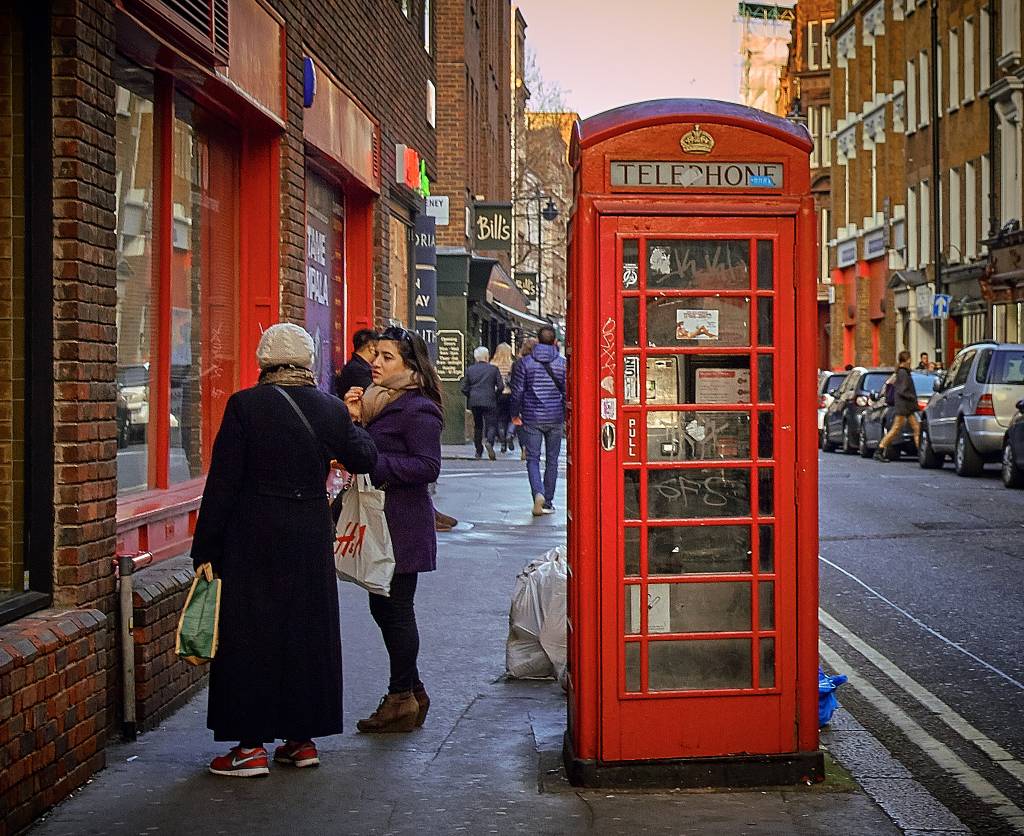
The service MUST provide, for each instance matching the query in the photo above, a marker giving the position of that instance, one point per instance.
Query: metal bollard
(124, 567)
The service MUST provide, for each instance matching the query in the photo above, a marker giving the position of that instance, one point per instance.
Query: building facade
(179, 183)
(886, 177)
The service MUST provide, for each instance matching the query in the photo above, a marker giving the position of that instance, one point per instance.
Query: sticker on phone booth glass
(696, 324)
(631, 379)
(608, 410)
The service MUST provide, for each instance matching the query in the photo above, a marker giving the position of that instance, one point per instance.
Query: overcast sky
(605, 53)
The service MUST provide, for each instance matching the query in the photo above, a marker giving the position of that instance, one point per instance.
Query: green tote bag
(196, 641)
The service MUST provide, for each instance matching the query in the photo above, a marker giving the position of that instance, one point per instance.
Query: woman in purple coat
(402, 413)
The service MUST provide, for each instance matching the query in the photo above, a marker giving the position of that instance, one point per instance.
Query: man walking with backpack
(905, 396)
(538, 405)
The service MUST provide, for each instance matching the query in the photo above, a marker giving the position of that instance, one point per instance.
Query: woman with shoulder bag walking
(525, 350)
(503, 360)
(265, 527)
(402, 412)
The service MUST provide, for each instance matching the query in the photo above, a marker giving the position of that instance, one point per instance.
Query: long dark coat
(265, 525)
(407, 433)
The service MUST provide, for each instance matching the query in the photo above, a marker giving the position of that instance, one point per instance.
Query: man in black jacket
(906, 406)
(356, 372)
(481, 386)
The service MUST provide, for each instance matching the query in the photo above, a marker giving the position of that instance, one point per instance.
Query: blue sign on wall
(940, 305)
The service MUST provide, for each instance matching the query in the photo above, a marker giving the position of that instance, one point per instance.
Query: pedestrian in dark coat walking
(356, 372)
(481, 386)
(402, 411)
(265, 526)
(905, 407)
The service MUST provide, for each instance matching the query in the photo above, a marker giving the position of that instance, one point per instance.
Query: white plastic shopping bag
(536, 636)
(362, 543)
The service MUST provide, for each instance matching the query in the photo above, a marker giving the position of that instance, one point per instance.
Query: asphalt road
(922, 599)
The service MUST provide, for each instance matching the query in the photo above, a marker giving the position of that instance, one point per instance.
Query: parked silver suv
(973, 404)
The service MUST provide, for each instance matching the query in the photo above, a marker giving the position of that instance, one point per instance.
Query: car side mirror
(1020, 405)
(940, 378)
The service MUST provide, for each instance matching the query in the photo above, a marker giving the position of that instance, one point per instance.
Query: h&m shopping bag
(196, 640)
(362, 543)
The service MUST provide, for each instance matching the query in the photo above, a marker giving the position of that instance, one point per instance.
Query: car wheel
(827, 445)
(847, 445)
(926, 455)
(862, 445)
(965, 458)
(1013, 476)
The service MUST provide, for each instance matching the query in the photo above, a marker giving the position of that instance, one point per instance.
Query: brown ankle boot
(423, 702)
(396, 713)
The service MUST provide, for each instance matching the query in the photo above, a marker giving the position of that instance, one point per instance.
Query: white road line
(915, 689)
(925, 627)
(946, 759)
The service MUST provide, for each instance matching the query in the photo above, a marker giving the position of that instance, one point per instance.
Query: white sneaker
(538, 504)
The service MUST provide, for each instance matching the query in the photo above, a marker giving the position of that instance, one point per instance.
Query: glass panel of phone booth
(699, 593)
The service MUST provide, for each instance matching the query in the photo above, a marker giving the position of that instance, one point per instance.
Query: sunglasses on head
(396, 333)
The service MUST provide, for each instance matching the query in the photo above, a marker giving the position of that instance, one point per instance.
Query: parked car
(828, 385)
(843, 416)
(973, 405)
(878, 418)
(1013, 450)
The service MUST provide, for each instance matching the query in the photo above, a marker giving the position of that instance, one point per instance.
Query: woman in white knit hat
(265, 527)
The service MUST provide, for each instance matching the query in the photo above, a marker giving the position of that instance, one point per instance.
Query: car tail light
(984, 406)
(861, 400)
(921, 405)
(821, 402)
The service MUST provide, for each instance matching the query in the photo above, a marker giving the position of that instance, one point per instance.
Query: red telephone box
(693, 537)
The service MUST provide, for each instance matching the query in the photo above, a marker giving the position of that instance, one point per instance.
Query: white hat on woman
(285, 344)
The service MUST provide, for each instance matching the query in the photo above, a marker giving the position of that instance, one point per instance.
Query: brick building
(478, 302)
(882, 230)
(1003, 283)
(810, 101)
(169, 190)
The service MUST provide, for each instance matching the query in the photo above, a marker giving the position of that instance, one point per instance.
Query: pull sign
(608, 436)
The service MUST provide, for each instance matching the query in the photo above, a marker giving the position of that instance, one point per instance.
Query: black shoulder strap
(558, 384)
(301, 414)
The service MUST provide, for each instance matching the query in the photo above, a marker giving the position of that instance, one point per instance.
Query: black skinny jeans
(397, 621)
(484, 427)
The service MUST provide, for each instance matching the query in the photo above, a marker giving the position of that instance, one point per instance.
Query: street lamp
(548, 213)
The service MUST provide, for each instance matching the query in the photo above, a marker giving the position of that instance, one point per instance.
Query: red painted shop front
(693, 492)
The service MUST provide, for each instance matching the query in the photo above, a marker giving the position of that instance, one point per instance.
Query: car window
(874, 381)
(924, 384)
(984, 361)
(833, 383)
(849, 384)
(1007, 367)
(960, 378)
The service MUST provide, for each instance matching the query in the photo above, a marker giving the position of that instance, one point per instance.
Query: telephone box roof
(630, 117)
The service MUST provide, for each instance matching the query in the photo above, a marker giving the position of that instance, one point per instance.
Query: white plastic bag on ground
(536, 622)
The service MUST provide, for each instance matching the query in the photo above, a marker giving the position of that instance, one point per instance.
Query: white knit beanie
(285, 344)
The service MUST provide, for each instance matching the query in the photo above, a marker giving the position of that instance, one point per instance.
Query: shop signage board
(425, 239)
(323, 286)
(437, 208)
(874, 244)
(492, 227)
(451, 355)
(526, 281)
(846, 253)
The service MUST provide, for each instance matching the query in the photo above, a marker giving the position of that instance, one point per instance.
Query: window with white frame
(813, 44)
(922, 88)
(954, 70)
(913, 231)
(427, 20)
(985, 51)
(814, 129)
(826, 135)
(970, 75)
(925, 215)
(1010, 30)
(911, 97)
(826, 44)
(970, 211)
(986, 192)
(955, 237)
(939, 65)
(823, 248)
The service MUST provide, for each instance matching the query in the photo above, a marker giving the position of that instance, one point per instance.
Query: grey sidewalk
(485, 762)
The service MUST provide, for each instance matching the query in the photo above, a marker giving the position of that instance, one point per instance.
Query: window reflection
(696, 436)
(698, 493)
(682, 550)
(699, 664)
(716, 321)
(698, 265)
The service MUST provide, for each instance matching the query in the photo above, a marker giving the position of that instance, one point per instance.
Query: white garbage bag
(536, 636)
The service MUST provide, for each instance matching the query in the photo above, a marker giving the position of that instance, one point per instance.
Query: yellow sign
(697, 141)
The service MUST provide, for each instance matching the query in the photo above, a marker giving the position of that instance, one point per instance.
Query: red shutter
(198, 27)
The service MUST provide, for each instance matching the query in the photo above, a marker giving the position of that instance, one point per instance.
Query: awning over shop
(525, 319)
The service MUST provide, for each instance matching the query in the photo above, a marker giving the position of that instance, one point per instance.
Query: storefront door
(698, 570)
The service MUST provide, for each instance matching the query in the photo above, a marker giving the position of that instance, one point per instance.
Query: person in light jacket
(481, 386)
(538, 404)
(265, 527)
(403, 413)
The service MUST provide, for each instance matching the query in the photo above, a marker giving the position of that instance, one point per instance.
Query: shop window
(177, 337)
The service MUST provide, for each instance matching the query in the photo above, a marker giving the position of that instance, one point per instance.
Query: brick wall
(53, 725)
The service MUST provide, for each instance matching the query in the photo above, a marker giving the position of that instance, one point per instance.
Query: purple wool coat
(407, 434)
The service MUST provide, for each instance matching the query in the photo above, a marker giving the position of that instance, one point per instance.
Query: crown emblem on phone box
(697, 141)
